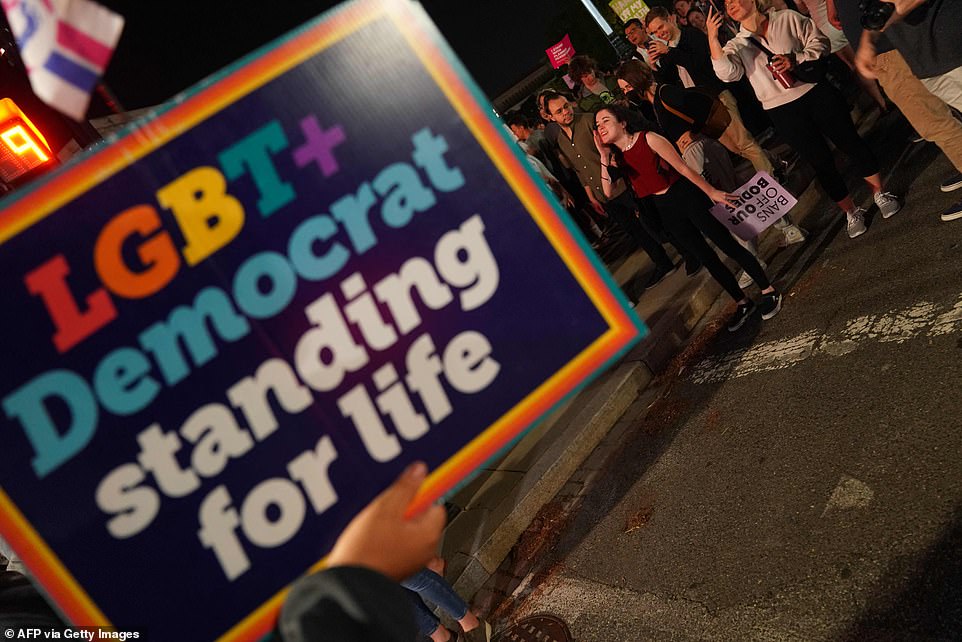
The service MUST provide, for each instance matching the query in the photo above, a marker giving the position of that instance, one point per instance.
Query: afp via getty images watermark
(89, 633)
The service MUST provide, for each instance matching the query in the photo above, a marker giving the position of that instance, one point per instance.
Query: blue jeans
(428, 585)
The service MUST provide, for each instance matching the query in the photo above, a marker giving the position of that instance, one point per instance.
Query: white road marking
(922, 319)
(850, 493)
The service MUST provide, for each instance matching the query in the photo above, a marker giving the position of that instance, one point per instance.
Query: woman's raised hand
(600, 146)
(713, 22)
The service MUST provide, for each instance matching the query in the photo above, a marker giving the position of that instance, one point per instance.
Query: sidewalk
(501, 503)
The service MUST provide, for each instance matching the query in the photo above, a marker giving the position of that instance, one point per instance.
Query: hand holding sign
(757, 204)
(384, 539)
(723, 198)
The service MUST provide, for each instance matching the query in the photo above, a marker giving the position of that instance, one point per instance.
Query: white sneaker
(745, 279)
(792, 234)
(856, 222)
(887, 204)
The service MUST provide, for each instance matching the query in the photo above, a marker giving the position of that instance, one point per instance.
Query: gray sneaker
(745, 279)
(887, 204)
(792, 234)
(856, 222)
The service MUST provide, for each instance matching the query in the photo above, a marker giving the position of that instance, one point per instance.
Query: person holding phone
(804, 113)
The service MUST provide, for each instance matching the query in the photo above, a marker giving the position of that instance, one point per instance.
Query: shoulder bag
(811, 71)
(715, 124)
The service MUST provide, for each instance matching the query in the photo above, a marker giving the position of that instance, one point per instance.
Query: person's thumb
(400, 494)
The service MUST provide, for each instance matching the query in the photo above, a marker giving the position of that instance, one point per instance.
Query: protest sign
(628, 9)
(232, 326)
(560, 53)
(761, 202)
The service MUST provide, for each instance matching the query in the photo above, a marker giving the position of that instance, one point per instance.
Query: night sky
(166, 47)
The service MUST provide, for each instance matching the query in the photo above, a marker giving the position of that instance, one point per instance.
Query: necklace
(631, 143)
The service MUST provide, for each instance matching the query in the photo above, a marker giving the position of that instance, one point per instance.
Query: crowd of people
(705, 84)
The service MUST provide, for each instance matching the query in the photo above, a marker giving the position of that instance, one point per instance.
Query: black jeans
(805, 122)
(622, 209)
(684, 212)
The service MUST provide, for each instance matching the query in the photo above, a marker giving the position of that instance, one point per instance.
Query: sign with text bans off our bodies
(229, 329)
(761, 202)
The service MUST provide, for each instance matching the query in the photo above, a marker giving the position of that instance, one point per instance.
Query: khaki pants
(738, 139)
(927, 112)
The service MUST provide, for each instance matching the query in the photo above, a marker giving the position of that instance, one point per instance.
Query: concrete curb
(571, 443)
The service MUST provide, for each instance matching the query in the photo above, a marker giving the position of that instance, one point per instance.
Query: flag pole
(111, 100)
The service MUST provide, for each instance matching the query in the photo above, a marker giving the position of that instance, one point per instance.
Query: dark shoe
(692, 268)
(952, 183)
(658, 276)
(770, 304)
(742, 312)
(766, 136)
(952, 212)
(781, 168)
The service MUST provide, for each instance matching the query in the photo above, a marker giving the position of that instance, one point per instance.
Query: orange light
(20, 143)
(10, 111)
(22, 146)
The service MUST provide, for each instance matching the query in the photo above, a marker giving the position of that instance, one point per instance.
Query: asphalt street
(800, 479)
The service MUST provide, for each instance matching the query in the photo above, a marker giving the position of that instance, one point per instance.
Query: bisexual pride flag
(65, 46)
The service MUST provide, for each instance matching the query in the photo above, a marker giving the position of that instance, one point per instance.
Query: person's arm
(832, 13)
(606, 181)
(604, 151)
(563, 195)
(657, 50)
(664, 68)
(865, 56)
(815, 44)
(725, 60)
(593, 200)
(357, 596)
(663, 148)
(902, 9)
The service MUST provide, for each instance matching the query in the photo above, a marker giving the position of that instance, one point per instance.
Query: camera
(875, 13)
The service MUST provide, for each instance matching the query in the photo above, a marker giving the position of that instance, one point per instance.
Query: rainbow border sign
(238, 322)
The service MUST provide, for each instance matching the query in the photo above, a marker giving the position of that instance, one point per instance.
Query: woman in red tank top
(655, 169)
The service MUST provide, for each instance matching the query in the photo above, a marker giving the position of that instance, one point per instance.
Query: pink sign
(560, 53)
(761, 202)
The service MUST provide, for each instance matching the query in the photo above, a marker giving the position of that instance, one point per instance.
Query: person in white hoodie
(767, 48)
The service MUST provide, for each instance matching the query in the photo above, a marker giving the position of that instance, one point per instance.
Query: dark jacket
(693, 54)
(347, 604)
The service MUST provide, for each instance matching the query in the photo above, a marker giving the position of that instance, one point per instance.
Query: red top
(649, 174)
